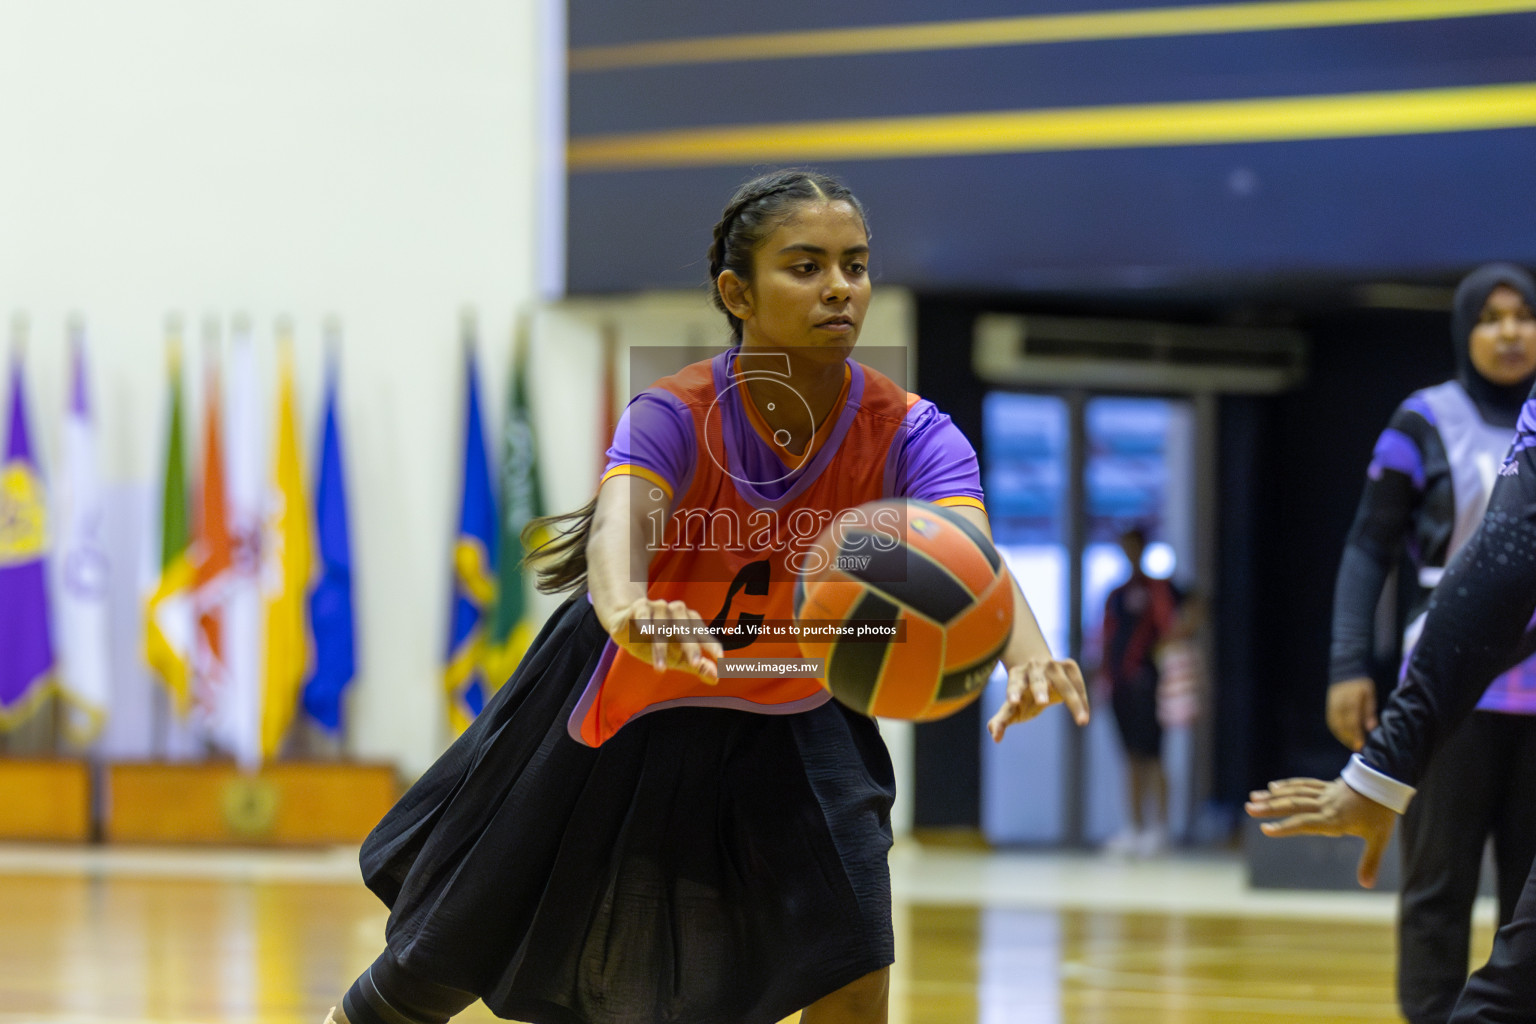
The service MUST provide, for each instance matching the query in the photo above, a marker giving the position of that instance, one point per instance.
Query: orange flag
(213, 564)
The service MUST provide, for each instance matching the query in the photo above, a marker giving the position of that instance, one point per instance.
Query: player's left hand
(1315, 807)
(1034, 686)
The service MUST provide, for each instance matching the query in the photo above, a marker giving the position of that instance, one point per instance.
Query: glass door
(1026, 475)
(1066, 476)
(1138, 472)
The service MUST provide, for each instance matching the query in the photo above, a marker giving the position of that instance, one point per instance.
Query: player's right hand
(1352, 710)
(689, 655)
(1035, 686)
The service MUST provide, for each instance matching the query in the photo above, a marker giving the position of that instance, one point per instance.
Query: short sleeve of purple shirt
(935, 460)
(1398, 448)
(656, 434)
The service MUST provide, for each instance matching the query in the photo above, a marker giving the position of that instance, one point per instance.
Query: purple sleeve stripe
(1527, 422)
(1525, 431)
(1396, 451)
(1414, 403)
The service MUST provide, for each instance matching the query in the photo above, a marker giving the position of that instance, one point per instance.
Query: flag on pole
(512, 626)
(474, 554)
(168, 616)
(26, 647)
(237, 724)
(287, 564)
(330, 605)
(81, 566)
(213, 562)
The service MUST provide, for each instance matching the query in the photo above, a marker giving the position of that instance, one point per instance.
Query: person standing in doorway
(1140, 616)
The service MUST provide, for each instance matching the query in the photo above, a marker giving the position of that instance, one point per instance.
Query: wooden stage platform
(286, 803)
(135, 935)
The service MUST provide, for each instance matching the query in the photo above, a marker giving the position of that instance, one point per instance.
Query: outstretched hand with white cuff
(1315, 807)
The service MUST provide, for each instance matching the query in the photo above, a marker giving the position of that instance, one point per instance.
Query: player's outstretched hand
(1315, 807)
(1036, 685)
(1352, 711)
(697, 656)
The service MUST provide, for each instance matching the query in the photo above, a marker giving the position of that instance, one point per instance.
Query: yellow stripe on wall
(1045, 28)
(1271, 119)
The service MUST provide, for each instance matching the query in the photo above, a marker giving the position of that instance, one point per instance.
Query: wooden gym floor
(126, 936)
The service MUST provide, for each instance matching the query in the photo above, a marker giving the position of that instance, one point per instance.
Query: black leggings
(1503, 991)
(1482, 783)
(387, 993)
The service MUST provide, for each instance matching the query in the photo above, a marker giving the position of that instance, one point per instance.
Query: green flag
(511, 628)
(168, 615)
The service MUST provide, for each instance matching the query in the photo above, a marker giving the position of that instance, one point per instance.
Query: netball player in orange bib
(624, 836)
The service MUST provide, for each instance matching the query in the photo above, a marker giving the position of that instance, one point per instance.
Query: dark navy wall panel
(1171, 216)
(1127, 218)
(1411, 55)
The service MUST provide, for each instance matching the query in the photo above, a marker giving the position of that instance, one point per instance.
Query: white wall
(382, 162)
(372, 160)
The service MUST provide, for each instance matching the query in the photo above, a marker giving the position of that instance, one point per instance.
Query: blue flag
(330, 603)
(474, 568)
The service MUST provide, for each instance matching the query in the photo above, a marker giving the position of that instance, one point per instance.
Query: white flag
(237, 728)
(80, 566)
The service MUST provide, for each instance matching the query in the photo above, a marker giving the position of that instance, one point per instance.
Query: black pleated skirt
(705, 865)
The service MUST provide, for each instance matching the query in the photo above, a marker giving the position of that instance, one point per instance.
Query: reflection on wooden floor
(992, 966)
(89, 946)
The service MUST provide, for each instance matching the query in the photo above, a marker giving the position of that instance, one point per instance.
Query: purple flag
(26, 650)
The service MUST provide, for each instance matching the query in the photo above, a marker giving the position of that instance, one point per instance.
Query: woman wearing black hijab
(1428, 485)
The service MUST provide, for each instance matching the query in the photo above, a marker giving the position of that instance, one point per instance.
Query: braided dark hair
(557, 544)
(757, 208)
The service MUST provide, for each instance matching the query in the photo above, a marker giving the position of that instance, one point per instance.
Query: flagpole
(21, 326)
(211, 336)
(175, 327)
(330, 340)
(469, 331)
(47, 731)
(44, 726)
(82, 568)
(74, 334)
(293, 743)
(246, 487)
(15, 740)
(74, 330)
(40, 731)
(160, 720)
(289, 529)
(330, 333)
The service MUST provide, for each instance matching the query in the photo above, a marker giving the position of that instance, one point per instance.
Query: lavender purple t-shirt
(656, 434)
